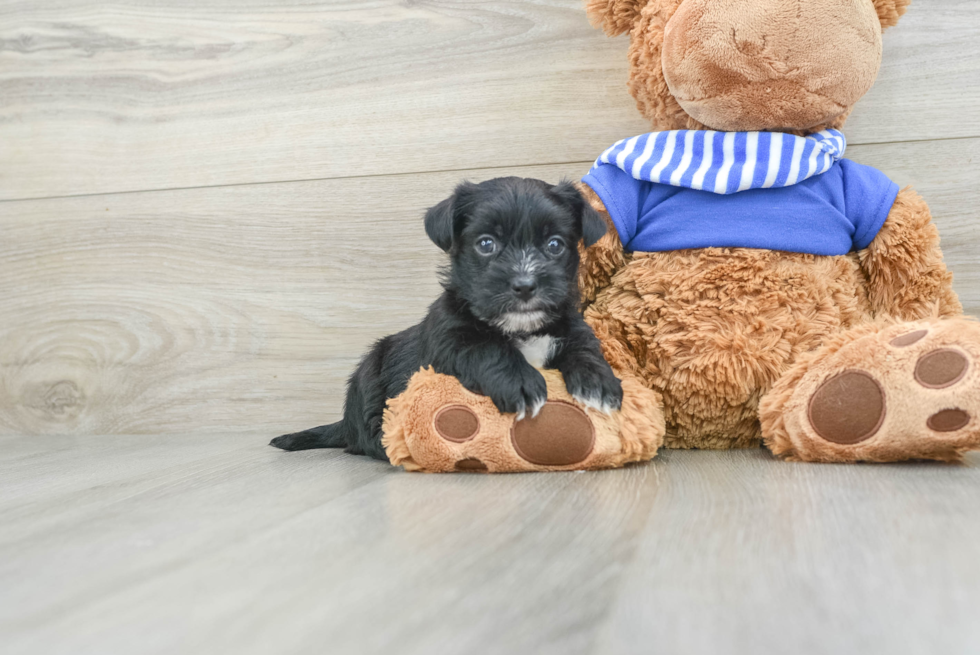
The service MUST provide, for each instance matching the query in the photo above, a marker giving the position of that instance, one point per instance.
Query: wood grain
(246, 308)
(98, 98)
(741, 554)
(184, 544)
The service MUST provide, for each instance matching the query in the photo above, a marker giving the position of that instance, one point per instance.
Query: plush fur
(510, 304)
(906, 276)
(739, 341)
(713, 329)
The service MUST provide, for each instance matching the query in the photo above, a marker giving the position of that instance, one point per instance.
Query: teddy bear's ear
(444, 221)
(593, 226)
(615, 17)
(889, 11)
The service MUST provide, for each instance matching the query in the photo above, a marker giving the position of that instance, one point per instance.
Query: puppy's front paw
(595, 387)
(524, 395)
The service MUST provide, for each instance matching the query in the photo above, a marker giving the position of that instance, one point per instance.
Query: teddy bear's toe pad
(457, 423)
(471, 464)
(948, 420)
(941, 368)
(560, 435)
(848, 408)
(905, 340)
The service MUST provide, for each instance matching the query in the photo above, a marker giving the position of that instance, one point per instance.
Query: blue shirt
(828, 214)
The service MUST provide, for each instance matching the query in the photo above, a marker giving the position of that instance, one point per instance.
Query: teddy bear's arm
(907, 277)
(603, 258)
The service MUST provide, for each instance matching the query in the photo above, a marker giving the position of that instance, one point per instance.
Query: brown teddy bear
(757, 284)
(826, 353)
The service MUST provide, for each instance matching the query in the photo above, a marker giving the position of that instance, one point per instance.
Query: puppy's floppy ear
(593, 227)
(445, 220)
(439, 223)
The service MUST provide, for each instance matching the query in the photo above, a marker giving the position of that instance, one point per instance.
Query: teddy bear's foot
(561, 435)
(883, 394)
(436, 425)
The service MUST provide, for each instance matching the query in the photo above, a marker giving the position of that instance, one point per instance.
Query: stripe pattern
(725, 162)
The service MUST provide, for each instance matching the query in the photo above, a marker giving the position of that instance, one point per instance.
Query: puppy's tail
(325, 436)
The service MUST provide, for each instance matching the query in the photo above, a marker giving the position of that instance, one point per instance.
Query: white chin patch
(593, 402)
(520, 321)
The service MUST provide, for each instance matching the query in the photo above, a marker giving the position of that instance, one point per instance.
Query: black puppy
(511, 303)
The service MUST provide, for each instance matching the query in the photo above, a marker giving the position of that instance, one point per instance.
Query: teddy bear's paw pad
(848, 408)
(457, 423)
(948, 420)
(471, 465)
(560, 435)
(905, 340)
(941, 368)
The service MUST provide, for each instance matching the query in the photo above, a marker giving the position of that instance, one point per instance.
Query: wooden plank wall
(209, 209)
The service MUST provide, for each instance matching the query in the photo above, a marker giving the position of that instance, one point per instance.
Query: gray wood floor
(219, 544)
(208, 208)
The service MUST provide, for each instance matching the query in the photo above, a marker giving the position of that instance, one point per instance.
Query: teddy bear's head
(742, 65)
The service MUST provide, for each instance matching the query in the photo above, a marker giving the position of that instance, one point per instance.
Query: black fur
(492, 303)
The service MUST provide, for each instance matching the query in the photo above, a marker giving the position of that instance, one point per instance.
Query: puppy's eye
(555, 246)
(486, 245)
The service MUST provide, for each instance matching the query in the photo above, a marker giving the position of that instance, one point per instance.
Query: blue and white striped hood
(725, 162)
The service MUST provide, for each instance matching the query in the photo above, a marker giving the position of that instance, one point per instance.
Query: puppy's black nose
(524, 287)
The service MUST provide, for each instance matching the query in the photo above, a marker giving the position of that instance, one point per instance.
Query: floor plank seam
(400, 174)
